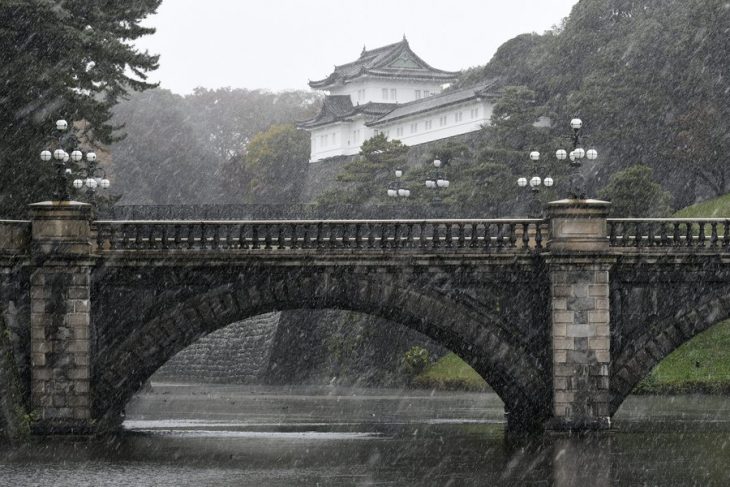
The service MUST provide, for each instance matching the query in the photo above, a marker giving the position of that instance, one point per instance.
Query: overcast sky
(281, 44)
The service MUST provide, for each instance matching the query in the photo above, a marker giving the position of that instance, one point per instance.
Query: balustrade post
(579, 266)
(61, 326)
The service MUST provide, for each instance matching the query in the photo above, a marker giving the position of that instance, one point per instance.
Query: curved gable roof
(391, 61)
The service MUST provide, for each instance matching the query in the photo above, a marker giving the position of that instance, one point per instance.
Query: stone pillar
(60, 317)
(579, 283)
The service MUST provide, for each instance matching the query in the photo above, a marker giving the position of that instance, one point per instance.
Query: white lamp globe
(535, 155)
(437, 163)
(91, 156)
(561, 154)
(406, 192)
(591, 154)
(535, 182)
(91, 183)
(392, 193)
(67, 171)
(58, 154)
(66, 157)
(105, 183)
(430, 184)
(442, 183)
(576, 124)
(522, 182)
(572, 155)
(46, 156)
(580, 153)
(76, 155)
(78, 183)
(61, 124)
(548, 181)
(446, 183)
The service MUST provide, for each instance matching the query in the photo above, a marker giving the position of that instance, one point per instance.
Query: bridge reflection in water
(562, 316)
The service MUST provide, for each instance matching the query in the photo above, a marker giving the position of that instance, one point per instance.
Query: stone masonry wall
(581, 341)
(236, 354)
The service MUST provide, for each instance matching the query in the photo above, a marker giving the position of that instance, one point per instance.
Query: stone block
(581, 304)
(580, 317)
(560, 356)
(564, 397)
(81, 359)
(81, 332)
(41, 346)
(579, 357)
(563, 344)
(562, 291)
(77, 292)
(78, 401)
(78, 319)
(598, 290)
(601, 303)
(78, 373)
(580, 290)
(581, 331)
(599, 343)
(38, 306)
(563, 316)
(42, 374)
(598, 317)
(601, 277)
(78, 346)
(603, 330)
(81, 386)
(560, 304)
(599, 370)
(81, 306)
(560, 329)
(560, 383)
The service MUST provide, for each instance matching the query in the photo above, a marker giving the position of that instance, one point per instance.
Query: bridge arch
(659, 338)
(479, 338)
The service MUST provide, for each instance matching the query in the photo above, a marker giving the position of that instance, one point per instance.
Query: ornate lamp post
(394, 188)
(438, 182)
(94, 176)
(535, 208)
(577, 190)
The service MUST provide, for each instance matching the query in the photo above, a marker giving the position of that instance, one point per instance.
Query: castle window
(443, 120)
(399, 131)
(385, 93)
(474, 112)
(428, 124)
(418, 94)
(414, 128)
(457, 117)
(393, 94)
(426, 93)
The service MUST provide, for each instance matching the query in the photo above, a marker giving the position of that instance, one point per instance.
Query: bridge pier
(60, 317)
(579, 266)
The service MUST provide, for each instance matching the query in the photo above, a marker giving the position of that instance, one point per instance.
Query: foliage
(450, 373)
(71, 60)
(365, 180)
(189, 149)
(415, 360)
(163, 160)
(649, 79)
(715, 208)
(633, 194)
(273, 168)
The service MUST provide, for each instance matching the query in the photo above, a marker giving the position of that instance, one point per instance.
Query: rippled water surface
(225, 435)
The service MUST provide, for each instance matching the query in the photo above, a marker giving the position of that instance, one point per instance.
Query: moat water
(204, 435)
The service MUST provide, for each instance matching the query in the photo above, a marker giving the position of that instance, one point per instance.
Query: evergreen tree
(634, 194)
(70, 60)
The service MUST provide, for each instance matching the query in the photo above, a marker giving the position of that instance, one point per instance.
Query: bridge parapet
(677, 233)
(482, 236)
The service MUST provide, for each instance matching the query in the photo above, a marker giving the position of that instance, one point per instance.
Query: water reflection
(372, 438)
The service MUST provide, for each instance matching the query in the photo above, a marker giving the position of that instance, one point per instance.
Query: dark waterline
(226, 435)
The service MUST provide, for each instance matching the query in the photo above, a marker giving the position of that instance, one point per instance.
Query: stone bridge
(562, 316)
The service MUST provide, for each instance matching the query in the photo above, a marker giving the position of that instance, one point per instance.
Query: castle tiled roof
(391, 61)
(339, 108)
(488, 90)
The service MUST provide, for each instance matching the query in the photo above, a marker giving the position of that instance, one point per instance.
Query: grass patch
(700, 365)
(715, 208)
(450, 373)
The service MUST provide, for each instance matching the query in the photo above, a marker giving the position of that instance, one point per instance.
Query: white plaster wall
(405, 90)
(437, 131)
(341, 139)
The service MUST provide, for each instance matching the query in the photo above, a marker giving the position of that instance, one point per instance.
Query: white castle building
(392, 90)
